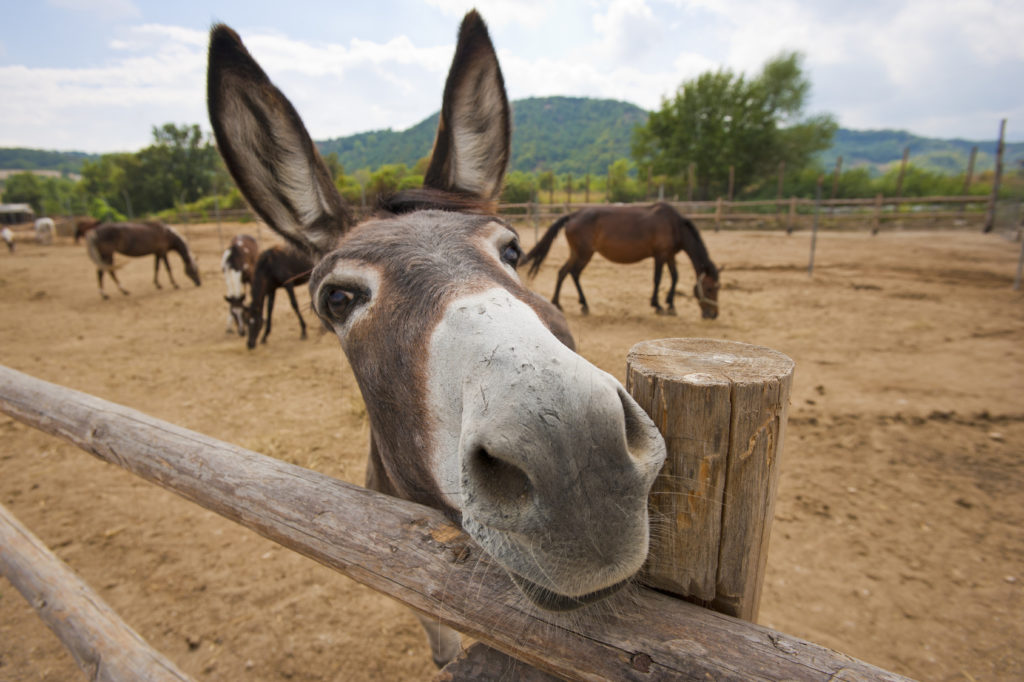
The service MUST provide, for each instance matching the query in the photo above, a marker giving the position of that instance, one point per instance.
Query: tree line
(720, 134)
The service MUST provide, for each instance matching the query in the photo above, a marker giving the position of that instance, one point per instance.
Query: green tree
(620, 186)
(181, 166)
(519, 188)
(721, 119)
(24, 188)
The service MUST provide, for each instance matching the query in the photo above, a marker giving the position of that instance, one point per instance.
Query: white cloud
(497, 13)
(108, 9)
(628, 29)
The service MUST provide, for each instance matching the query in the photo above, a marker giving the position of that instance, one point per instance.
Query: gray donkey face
(477, 404)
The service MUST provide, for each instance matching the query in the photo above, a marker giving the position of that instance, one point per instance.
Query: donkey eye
(512, 253)
(338, 303)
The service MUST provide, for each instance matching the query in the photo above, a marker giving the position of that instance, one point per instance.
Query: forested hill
(878, 148)
(581, 135)
(562, 134)
(37, 159)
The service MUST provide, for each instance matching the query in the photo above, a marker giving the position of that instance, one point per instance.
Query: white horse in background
(8, 236)
(45, 229)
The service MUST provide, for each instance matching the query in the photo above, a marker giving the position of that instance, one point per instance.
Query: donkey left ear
(268, 151)
(471, 150)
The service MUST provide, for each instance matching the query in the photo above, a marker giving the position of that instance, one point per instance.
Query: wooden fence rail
(412, 553)
(790, 213)
(102, 644)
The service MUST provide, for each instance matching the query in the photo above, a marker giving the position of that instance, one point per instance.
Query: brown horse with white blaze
(238, 264)
(629, 234)
(138, 239)
(477, 404)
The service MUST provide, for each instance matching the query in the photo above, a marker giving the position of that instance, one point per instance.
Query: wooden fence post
(878, 215)
(104, 646)
(718, 214)
(814, 225)
(792, 216)
(990, 215)
(721, 406)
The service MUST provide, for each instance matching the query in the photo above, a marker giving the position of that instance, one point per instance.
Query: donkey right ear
(268, 151)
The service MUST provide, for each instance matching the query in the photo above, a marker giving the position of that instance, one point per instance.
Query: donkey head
(477, 405)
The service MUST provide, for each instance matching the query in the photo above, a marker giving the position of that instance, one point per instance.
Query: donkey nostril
(503, 484)
(641, 434)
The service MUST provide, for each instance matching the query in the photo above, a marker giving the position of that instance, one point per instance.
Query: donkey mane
(424, 198)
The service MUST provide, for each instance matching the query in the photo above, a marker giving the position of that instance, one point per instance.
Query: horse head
(192, 269)
(706, 293)
(475, 406)
(238, 312)
(252, 318)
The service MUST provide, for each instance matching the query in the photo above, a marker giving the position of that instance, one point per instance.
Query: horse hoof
(659, 311)
(670, 311)
(584, 310)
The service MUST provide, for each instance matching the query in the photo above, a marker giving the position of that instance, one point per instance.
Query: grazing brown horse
(275, 268)
(84, 226)
(138, 239)
(477, 404)
(238, 264)
(627, 234)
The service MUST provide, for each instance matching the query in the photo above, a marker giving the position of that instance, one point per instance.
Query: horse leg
(575, 272)
(658, 265)
(156, 271)
(670, 298)
(99, 277)
(270, 314)
(562, 272)
(167, 266)
(295, 306)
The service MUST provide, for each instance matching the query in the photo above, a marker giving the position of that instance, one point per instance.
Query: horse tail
(540, 250)
(94, 251)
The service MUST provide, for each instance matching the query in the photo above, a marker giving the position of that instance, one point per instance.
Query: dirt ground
(899, 530)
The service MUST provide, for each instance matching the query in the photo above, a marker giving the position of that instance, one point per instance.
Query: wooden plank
(417, 556)
(104, 646)
(721, 406)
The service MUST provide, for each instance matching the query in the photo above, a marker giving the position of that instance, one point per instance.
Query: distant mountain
(562, 134)
(581, 135)
(38, 159)
(878, 149)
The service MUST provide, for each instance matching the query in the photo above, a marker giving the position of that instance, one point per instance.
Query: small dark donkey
(276, 267)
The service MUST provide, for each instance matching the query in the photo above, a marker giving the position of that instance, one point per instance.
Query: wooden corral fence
(793, 214)
(722, 408)
(877, 213)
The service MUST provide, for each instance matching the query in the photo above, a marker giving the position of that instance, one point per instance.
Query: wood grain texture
(102, 644)
(415, 555)
(721, 406)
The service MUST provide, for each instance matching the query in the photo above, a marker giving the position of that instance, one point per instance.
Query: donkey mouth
(553, 601)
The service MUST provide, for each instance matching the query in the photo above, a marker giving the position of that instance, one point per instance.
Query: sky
(98, 75)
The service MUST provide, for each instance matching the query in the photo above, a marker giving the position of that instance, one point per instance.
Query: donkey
(276, 267)
(478, 405)
(238, 264)
(138, 239)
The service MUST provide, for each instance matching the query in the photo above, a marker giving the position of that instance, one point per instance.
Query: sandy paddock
(899, 530)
